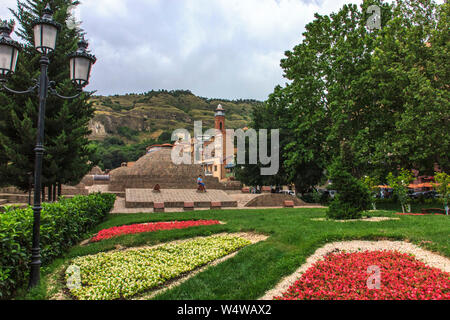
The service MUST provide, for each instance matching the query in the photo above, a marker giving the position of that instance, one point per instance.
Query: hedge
(416, 204)
(63, 224)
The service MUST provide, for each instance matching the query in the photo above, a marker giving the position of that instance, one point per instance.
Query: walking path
(144, 198)
(119, 207)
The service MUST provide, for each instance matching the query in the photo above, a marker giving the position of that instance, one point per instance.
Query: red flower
(343, 276)
(150, 227)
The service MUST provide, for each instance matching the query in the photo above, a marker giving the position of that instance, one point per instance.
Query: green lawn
(258, 268)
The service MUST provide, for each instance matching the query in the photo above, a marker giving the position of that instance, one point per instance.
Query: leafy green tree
(112, 152)
(352, 196)
(409, 81)
(330, 99)
(399, 184)
(443, 187)
(66, 122)
(371, 184)
(273, 114)
(382, 93)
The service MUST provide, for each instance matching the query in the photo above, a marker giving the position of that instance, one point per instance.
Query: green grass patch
(293, 236)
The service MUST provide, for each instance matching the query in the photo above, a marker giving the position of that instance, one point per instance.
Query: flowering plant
(150, 227)
(123, 274)
(344, 276)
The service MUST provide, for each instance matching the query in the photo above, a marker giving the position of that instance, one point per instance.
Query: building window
(215, 168)
(221, 126)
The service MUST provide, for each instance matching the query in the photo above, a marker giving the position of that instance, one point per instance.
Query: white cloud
(220, 48)
(216, 48)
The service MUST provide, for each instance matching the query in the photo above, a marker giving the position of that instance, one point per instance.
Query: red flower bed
(344, 276)
(150, 227)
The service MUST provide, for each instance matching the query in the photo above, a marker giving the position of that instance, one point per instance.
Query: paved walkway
(98, 188)
(243, 198)
(175, 195)
(144, 198)
(119, 207)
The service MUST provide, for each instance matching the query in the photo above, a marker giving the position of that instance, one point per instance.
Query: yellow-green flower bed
(123, 274)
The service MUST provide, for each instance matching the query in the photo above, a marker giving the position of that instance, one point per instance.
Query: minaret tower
(220, 119)
(219, 124)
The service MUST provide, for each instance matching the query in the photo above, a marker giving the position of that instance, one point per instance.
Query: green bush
(128, 133)
(353, 197)
(400, 183)
(316, 197)
(392, 204)
(63, 224)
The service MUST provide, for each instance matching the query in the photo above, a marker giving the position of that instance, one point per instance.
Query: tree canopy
(66, 131)
(380, 94)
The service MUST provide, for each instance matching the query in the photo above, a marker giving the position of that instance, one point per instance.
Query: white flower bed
(122, 274)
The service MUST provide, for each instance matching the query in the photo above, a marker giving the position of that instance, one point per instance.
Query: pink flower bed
(150, 227)
(344, 276)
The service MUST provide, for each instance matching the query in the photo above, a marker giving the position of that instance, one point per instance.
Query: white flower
(112, 275)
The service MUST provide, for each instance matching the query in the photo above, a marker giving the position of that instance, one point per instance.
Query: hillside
(139, 117)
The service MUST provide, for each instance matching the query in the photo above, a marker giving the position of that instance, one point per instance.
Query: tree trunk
(54, 192)
(43, 193)
(59, 190)
(50, 193)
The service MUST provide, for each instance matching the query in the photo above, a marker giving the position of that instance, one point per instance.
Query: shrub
(416, 204)
(400, 185)
(62, 225)
(128, 133)
(352, 197)
(371, 183)
(442, 187)
(316, 197)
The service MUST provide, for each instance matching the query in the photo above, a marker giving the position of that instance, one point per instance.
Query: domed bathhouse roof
(157, 168)
(95, 171)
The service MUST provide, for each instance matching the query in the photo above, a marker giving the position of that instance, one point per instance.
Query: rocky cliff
(149, 115)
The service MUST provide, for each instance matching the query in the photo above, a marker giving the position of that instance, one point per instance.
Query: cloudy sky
(215, 48)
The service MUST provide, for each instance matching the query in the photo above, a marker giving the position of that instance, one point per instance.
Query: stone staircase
(15, 197)
(158, 168)
(175, 198)
(5, 202)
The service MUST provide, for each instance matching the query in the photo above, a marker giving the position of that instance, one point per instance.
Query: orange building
(215, 162)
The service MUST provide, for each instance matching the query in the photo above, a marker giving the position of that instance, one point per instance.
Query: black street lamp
(45, 33)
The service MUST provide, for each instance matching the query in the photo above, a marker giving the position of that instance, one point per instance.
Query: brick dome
(155, 168)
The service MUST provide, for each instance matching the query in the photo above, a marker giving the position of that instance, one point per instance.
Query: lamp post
(45, 32)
